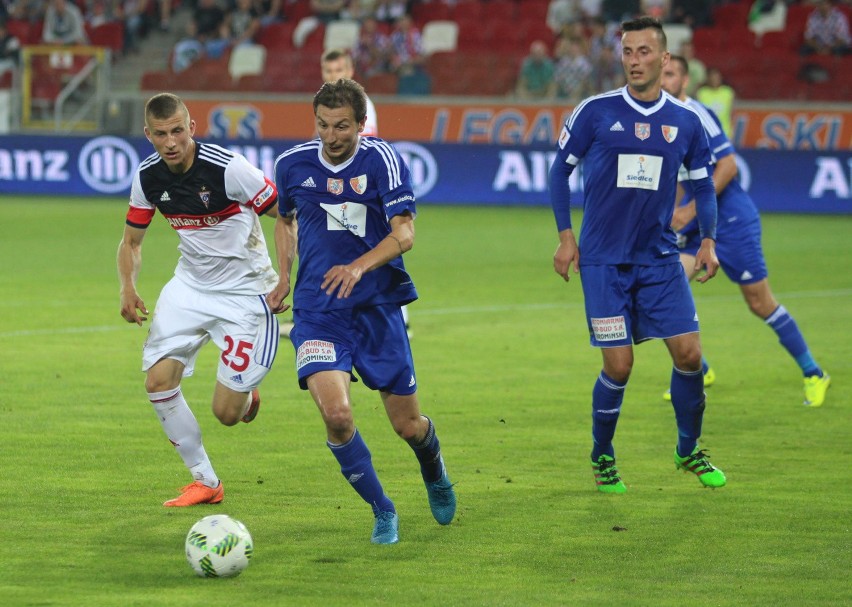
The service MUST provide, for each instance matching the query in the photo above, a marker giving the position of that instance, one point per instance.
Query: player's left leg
(246, 331)
(763, 304)
(688, 400)
(419, 432)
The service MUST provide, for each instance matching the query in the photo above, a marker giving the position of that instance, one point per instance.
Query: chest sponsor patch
(611, 328)
(350, 216)
(639, 171)
(315, 351)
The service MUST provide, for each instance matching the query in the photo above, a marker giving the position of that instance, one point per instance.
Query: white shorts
(242, 326)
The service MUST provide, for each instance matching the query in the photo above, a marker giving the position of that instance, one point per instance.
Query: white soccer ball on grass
(218, 546)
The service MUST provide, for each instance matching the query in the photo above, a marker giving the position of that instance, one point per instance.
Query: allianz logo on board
(107, 164)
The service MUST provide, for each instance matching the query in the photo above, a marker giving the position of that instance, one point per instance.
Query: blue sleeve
(705, 206)
(285, 205)
(394, 179)
(560, 193)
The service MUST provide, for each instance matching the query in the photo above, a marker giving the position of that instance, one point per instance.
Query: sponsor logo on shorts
(611, 328)
(315, 351)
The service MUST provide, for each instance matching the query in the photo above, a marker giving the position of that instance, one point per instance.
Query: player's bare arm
(129, 261)
(706, 259)
(567, 254)
(343, 278)
(285, 250)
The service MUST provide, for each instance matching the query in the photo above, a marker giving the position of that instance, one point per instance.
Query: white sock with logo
(184, 433)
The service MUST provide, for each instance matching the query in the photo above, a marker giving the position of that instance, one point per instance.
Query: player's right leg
(330, 390)
(169, 354)
(608, 304)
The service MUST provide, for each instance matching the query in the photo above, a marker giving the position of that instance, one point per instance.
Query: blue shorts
(739, 252)
(371, 340)
(628, 304)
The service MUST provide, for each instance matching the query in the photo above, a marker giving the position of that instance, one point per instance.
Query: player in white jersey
(355, 206)
(212, 198)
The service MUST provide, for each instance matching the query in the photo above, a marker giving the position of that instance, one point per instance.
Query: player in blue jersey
(353, 199)
(739, 250)
(633, 141)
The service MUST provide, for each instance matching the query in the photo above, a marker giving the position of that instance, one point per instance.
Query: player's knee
(410, 429)
(338, 420)
(154, 384)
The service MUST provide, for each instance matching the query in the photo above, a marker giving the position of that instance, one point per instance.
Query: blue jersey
(343, 211)
(736, 207)
(632, 152)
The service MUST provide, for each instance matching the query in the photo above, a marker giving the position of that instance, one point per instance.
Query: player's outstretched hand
(341, 279)
(705, 259)
(131, 305)
(567, 254)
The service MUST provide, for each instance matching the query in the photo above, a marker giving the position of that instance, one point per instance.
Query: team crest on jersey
(642, 130)
(204, 195)
(669, 132)
(359, 184)
(335, 186)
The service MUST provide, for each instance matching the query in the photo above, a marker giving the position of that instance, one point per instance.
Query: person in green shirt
(719, 97)
(535, 79)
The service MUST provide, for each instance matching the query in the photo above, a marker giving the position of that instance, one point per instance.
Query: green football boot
(606, 475)
(700, 466)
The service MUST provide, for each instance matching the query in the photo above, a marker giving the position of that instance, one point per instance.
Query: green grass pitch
(505, 370)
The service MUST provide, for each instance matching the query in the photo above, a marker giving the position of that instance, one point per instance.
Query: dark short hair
(335, 54)
(343, 93)
(644, 23)
(164, 105)
(684, 64)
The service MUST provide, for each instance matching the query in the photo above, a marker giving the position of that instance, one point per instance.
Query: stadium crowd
(573, 48)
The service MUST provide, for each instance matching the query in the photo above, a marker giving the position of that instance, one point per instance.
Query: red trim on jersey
(265, 199)
(196, 222)
(139, 218)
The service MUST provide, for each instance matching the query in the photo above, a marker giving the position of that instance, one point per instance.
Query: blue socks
(688, 402)
(356, 464)
(793, 341)
(607, 397)
(428, 453)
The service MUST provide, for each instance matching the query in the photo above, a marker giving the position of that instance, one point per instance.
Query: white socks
(184, 433)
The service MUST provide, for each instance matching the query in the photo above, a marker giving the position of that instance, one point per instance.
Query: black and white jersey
(214, 208)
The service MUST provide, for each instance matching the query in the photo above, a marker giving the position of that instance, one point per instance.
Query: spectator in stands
(28, 10)
(99, 12)
(561, 13)
(134, 14)
(242, 24)
(694, 13)
(269, 11)
(607, 70)
(603, 35)
(359, 10)
(187, 50)
(590, 10)
(827, 31)
(10, 49)
(659, 9)
(573, 70)
(697, 69)
(390, 11)
(620, 10)
(535, 78)
(371, 52)
(719, 97)
(406, 47)
(327, 10)
(206, 27)
(64, 24)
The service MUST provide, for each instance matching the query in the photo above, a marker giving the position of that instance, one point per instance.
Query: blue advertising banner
(783, 181)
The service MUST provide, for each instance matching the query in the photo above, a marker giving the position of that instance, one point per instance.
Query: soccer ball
(218, 546)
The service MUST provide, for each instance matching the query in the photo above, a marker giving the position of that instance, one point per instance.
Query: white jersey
(214, 208)
(371, 126)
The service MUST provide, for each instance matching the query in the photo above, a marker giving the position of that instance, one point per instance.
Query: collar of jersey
(336, 168)
(645, 111)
